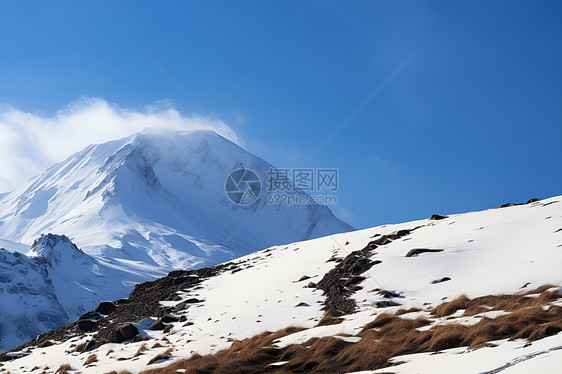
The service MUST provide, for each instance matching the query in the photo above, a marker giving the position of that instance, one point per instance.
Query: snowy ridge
(50, 285)
(155, 202)
(496, 251)
(138, 208)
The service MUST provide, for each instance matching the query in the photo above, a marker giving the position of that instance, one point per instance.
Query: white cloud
(31, 142)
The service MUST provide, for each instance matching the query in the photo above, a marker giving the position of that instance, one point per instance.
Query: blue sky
(474, 119)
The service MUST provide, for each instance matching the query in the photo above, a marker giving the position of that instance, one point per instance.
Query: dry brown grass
(386, 337)
(402, 311)
(508, 303)
(91, 359)
(63, 369)
(448, 308)
(162, 356)
(141, 349)
(329, 320)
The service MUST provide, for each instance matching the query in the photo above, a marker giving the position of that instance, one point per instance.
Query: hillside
(483, 288)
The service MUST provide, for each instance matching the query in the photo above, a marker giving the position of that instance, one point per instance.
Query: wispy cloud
(31, 142)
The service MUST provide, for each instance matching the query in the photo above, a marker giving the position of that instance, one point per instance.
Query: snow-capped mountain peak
(138, 208)
(158, 197)
(55, 249)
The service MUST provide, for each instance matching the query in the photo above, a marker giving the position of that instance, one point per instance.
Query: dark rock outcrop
(105, 308)
(143, 303)
(86, 325)
(418, 251)
(157, 325)
(168, 318)
(90, 315)
(340, 282)
(119, 334)
(437, 217)
(444, 279)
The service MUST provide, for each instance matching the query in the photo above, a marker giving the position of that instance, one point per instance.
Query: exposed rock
(143, 303)
(91, 345)
(105, 308)
(380, 241)
(437, 217)
(120, 334)
(157, 325)
(417, 251)
(388, 294)
(90, 315)
(507, 205)
(168, 318)
(192, 301)
(86, 325)
(444, 279)
(385, 304)
(533, 200)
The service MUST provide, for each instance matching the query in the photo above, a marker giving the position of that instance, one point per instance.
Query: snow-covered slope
(50, 285)
(498, 251)
(155, 202)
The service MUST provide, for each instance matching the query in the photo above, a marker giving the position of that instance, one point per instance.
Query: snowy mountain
(484, 289)
(155, 201)
(137, 208)
(50, 285)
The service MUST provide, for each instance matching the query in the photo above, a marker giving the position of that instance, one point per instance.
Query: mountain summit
(156, 201)
(136, 208)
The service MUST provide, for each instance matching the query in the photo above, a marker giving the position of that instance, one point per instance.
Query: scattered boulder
(388, 294)
(311, 285)
(302, 304)
(105, 308)
(157, 325)
(385, 304)
(120, 334)
(168, 318)
(91, 345)
(380, 241)
(46, 343)
(444, 279)
(437, 217)
(86, 325)
(418, 251)
(90, 315)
